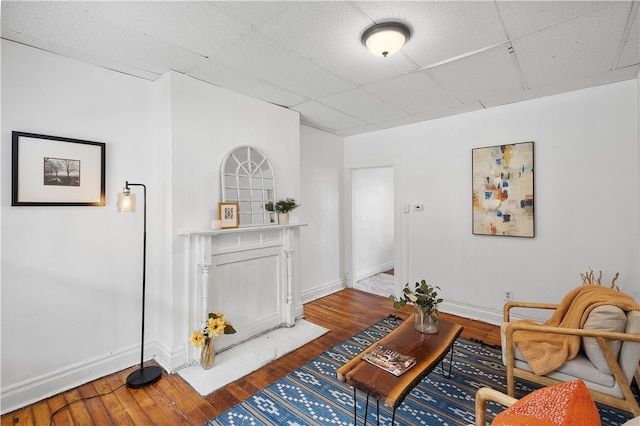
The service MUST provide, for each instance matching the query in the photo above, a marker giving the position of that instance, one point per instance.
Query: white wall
(373, 230)
(587, 203)
(71, 276)
(321, 159)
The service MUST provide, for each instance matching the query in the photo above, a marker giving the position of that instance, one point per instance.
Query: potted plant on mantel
(425, 300)
(283, 207)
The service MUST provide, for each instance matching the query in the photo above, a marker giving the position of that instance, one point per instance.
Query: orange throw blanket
(545, 352)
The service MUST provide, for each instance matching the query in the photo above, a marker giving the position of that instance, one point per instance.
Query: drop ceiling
(308, 57)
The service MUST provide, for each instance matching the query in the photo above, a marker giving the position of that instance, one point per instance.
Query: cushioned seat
(566, 404)
(620, 358)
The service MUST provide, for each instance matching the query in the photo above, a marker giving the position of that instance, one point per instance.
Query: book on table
(392, 361)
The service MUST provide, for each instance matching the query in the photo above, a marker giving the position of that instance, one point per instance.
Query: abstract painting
(503, 197)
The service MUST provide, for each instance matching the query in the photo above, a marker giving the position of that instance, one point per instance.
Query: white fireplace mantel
(249, 274)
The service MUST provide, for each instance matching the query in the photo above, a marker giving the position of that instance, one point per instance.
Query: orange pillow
(564, 404)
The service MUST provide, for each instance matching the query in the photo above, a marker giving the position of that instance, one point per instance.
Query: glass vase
(208, 354)
(426, 322)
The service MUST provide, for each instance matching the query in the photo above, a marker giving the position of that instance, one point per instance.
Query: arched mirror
(248, 178)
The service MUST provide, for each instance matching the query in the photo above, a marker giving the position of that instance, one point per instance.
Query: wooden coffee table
(429, 350)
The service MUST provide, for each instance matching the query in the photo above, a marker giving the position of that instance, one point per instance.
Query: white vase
(283, 218)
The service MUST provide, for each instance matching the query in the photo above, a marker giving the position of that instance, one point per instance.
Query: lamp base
(144, 377)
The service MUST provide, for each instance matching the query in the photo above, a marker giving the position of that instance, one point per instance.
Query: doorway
(373, 229)
(372, 247)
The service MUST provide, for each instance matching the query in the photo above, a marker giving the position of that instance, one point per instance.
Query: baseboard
(322, 290)
(170, 360)
(34, 389)
(369, 272)
(472, 312)
(487, 315)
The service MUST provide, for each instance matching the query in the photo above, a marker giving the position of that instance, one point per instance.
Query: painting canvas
(503, 196)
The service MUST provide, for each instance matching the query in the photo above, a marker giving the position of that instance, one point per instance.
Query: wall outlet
(508, 295)
(418, 207)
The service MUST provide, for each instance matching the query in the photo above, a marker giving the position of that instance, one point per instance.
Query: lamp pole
(145, 375)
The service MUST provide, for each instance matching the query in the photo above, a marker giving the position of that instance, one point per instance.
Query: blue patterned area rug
(312, 395)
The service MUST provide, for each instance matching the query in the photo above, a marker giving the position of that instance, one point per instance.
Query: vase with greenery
(283, 207)
(425, 301)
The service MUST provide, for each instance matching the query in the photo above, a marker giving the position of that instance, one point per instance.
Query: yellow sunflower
(215, 326)
(197, 338)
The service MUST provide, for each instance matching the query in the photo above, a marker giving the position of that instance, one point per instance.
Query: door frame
(399, 222)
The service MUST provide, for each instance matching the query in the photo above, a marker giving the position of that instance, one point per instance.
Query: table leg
(366, 408)
(393, 416)
(355, 412)
(450, 364)
(378, 409)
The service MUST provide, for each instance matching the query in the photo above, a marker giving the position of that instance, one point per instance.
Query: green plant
(423, 295)
(269, 206)
(286, 205)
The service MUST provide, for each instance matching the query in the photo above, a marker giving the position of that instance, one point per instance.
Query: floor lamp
(127, 204)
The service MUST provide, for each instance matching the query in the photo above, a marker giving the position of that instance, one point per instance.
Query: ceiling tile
(183, 24)
(488, 73)
(86, 57)
(568, 51)
(362, 105)
(357, 130)
(219, 75)
(254, 13)
(623, 74)
(414, 93)
(441, 29)
(263, 59)
(524, 17)
(61, 24)
(327, 117)
(332, 39)
(631, 50)
(458, 109)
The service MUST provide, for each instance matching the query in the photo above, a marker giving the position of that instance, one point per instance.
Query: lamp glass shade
(126, 202)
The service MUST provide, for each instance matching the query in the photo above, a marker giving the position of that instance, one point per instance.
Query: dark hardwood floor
(171, 401)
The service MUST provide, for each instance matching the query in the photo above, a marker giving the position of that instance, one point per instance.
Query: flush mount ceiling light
(387, 38)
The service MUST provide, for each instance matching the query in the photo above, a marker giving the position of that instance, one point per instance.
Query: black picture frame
(56, 171)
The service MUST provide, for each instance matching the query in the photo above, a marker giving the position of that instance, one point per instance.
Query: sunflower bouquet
(215, 325)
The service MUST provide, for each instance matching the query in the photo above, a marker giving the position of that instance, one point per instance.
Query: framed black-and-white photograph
(56, 171)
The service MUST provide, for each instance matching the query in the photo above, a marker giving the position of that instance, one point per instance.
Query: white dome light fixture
(387, 38)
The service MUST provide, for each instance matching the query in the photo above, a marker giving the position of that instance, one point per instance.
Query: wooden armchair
(487, 394)
(614, 391)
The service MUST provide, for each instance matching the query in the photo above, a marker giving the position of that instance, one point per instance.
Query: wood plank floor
(171, 401)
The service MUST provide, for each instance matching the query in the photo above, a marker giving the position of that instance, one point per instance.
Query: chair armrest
(532, 305)
(609, 335)
(487, 394)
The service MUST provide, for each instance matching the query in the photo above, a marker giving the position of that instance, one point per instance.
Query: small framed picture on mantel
(228, 214)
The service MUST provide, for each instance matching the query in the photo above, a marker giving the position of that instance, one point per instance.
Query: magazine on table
(392, 361)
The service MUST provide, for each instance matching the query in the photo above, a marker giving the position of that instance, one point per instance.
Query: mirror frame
(250, 165)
